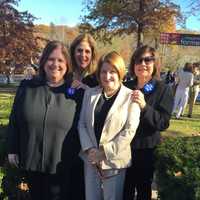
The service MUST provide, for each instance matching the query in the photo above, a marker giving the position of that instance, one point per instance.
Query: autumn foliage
(106, 18)
(17, 41)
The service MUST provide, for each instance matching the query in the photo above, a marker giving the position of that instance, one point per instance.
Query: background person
(29, 72)
(184, 82)
(108, 122)
(83, 55)
(194, 90)
(43, 139)
(169, 78)
(155, 100)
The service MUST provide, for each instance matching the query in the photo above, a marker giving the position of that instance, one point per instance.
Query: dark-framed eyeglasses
(147, 60)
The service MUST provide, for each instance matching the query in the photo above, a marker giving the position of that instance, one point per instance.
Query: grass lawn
(185, 126)
(6, 100)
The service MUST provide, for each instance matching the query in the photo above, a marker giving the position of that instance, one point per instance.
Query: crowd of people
(78, 131)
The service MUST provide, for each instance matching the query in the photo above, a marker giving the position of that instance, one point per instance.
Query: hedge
(178, 168)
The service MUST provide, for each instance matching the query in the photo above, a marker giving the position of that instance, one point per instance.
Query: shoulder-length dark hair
(90, 40)
(50, 47)
(138, 54)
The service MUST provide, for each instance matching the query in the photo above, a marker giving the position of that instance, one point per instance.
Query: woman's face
(55, 66)
(196, 71)
(109, 77)
(83, 55)
(144, 66)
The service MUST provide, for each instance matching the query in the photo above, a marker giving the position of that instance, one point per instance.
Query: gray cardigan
(43, 126)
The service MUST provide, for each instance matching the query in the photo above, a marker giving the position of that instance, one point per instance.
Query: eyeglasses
(147, 60)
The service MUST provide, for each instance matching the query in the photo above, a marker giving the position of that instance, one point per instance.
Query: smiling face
(144, 66)
(109, 77)
(55, 66)
(83, 55)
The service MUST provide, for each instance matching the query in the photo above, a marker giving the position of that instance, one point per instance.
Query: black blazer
(156, 115)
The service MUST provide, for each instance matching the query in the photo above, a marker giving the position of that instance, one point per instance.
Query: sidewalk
(7, 90)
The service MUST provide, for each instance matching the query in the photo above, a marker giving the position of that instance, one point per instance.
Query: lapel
(95, 95)
(118, 101)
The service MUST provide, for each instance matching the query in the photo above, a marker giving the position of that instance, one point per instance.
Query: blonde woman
(107, 125)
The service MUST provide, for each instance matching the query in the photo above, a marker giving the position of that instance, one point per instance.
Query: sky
(68, 12)
(57, 11)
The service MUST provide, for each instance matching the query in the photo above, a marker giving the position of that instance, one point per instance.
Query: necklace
(109, 97)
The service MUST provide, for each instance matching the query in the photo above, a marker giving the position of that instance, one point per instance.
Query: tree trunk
(140, 35)
(140, 26)
(156, 40)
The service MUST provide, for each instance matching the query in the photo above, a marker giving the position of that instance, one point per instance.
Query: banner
(180, 39)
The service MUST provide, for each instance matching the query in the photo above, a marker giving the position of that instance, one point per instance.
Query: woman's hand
(91, 153)
(95, 155)
(13, 159)
(138, 97)
(78, 84)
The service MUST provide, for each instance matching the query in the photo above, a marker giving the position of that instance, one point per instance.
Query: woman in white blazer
(107, 125)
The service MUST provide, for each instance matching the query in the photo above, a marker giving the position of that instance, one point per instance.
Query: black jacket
(43, 126)
(91, 80)
(156, 115)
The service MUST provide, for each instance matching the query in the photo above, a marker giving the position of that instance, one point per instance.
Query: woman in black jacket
(42, 133)
(156, 101)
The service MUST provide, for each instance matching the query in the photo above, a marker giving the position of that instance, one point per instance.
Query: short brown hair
(84, 38)
(114, 59)
(50, 47)
(137, 55)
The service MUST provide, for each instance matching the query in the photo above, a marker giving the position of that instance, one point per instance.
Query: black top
(91, 80)
(155, 116)
(101, 110)
(43, 126)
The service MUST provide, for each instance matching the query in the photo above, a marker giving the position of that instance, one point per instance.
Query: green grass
(185, 126)
(6, 100)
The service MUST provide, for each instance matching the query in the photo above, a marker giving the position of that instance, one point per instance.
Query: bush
(14, 185)
(178, 169)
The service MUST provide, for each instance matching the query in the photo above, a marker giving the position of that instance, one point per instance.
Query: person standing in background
(184, 82)
(83, 56)
(194, 90)
(42, 132)
(155, 99)
(29, 73)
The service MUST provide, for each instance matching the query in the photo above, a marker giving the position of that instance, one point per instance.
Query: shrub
(178, 169)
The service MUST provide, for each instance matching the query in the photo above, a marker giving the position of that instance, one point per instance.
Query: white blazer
(118, 131)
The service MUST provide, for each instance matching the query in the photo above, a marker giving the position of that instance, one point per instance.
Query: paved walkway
(7, 89)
